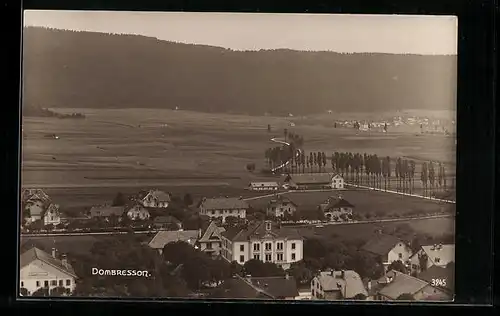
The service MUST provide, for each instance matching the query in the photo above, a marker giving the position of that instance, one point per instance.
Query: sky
(394, 34)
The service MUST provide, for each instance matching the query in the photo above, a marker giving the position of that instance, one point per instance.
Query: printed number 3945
(438, 282)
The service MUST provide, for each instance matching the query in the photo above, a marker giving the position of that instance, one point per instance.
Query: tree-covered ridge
(83, 69)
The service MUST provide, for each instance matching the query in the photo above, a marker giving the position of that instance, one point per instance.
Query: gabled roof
(34, 253)
(349, 286)
(164, 237)
(258, 231)
(212, 232)
(401, 284)
(381, 244)
(105, 211)
(313, 178)
(34, 194)
(335, 202)
(278, 287)
(263, 184)
(442, 273)
(260, 288)
(223, 203)
(445, 253)
(166, 219)
(52, 208)
(158, 195)
(279, 200)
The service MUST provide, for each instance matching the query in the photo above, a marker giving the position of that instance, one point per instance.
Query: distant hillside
(90, 70)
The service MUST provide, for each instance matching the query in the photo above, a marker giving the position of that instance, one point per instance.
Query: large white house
(223, 207)
(432, 255)
(263, 241)
(389, 249)
(156, 198)
(40, 270)
(314, 181)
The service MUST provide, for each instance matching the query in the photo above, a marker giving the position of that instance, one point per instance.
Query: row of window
(267, 246)
(52, 283)
(213, 212)
(268, 257)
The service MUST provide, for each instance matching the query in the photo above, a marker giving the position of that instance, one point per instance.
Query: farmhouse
(338, 285)
(281, 206)
(263, 241)
(107, 212)
(40, 270)
(138, 212)
(388, 248)
(223, 207)
(164, 237)
(336, 207)
(398, 283)
(210, 241)
(275, 288)
(314, 181)
(156, 198)
(432, 255)
(263, 186)
(52, 216)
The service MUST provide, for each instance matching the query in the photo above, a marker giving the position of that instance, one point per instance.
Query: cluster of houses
(302, 181)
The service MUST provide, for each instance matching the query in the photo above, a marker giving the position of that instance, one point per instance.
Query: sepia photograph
(238, 156)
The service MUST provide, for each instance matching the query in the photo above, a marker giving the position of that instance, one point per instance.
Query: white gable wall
(38, 273)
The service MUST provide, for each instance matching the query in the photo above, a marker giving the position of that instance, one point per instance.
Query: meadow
(180, 151)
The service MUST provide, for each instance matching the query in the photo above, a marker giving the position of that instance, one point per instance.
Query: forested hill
(83, 69)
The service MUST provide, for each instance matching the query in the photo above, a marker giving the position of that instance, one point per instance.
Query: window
(60, 282)
(256, 257)
(53, 283)
(242, 247)
(37, 283)
(280, 257)
(256, 247)
(268, 246)
(293, 256)
(317, 285)
(268, 258)
(209, 245)
(46, 283)
(293, 246)
(313, 293)
(400, 255)
(279, 246)
(68, 282)
(437, 260)
(242, 258)
(22, 284)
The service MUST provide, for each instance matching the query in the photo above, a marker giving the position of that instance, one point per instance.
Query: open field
(435, 227)
(364, 201)
(199, 153)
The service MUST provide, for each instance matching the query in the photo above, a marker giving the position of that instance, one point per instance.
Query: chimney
(342, 274)
(332, 272)
(268, 226)
(64, 260)
(53, 252)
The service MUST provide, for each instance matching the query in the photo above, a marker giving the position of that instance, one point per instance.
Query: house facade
(164, 237)
(432, 255)
(35, 208)
(314, 181)
(338, 285)
(156, 198)
(335, 208)
(263, 241)
(281, 206)
(40, 270)
(263, 186)
(138, 212)
(223, 207)
(52, 215)
(389, 249)
(210, 241)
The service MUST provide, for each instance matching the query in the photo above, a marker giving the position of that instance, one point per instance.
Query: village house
(270, 288)
(34, 209)
(28, 195)
(314, 181)
(338, 285)
(167, 236)
(335, 208)
(52, 216)
(388, 249)
(441, 277)
(398, 283)
(281, 206)
(34, 203)
(156, 198)
(39, 269)
(167, 222)
(210, 240)
(263, 186)
(138, 212)
(264, 241)
(107, 212)
(429, 255)
(223, 207)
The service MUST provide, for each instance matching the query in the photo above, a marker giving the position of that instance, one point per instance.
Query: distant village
(226, 229)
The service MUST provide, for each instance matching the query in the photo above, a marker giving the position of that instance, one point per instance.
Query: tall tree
(424, 177)
(286, 133)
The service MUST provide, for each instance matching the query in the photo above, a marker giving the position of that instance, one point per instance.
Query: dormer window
(268, 226)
